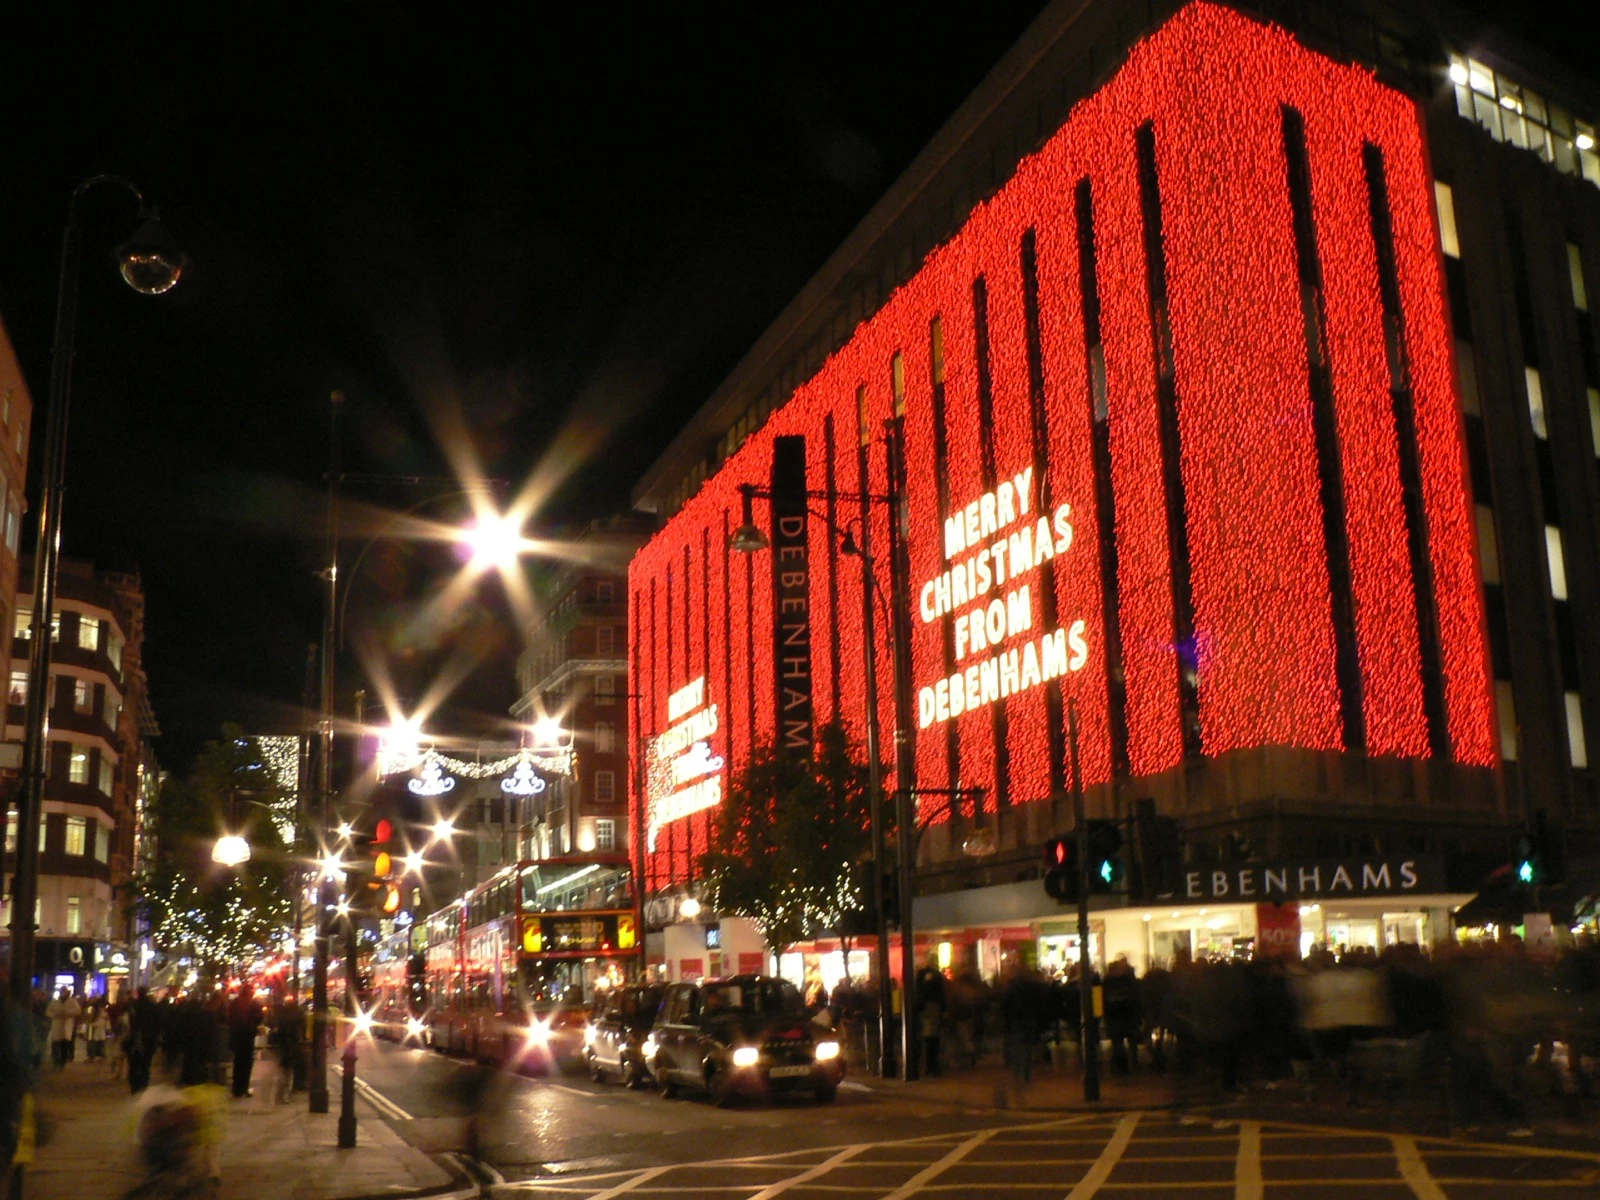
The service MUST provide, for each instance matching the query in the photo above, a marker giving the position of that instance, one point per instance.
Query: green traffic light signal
(1108, 870)
(1525, 870)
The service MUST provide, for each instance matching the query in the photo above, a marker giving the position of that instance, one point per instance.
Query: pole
(904, 752)
(46, 561)
(1090, 1026)
(46, 570)
(880, 918)
(330, 613)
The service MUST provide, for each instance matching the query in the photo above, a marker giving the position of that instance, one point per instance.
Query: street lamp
(749, 539)
(231, 850)
(151, 264)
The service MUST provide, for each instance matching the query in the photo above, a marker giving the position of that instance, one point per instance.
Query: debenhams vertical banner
(791, 596)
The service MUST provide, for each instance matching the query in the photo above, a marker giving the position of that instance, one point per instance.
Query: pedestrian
(116, 1033)
(142, 1039)
(244, 1020)
(18, 1066)
(289, 1033)
(1121, 1000)
(930, 1011)
(63, 1013)
(1025, 1001)
(95, 1032)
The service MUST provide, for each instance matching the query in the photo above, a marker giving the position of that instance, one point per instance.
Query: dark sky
(552, 231)
(558, 235)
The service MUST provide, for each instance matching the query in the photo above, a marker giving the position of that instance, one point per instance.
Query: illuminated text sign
(996, 546)
(684, 776)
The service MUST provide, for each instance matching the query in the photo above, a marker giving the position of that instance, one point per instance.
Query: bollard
(347, 1098)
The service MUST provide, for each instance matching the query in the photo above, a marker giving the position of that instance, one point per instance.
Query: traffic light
(1106, 866)
(372, 887)
(1061, 868)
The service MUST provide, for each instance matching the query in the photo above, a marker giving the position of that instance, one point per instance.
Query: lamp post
(151, 263)
(748, 539)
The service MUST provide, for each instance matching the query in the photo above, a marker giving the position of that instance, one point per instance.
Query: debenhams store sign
(1331, 880)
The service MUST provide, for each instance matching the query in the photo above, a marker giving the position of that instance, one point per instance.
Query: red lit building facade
(1206, 437)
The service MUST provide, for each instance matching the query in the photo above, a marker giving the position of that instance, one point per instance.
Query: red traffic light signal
(1061, 868)
(382, 832)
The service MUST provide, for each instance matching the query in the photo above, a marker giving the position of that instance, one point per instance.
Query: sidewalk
(272, 1151)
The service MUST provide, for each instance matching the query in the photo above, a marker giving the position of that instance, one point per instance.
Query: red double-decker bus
(512, 967)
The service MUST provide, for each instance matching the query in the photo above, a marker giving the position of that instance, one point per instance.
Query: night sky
(546, 239)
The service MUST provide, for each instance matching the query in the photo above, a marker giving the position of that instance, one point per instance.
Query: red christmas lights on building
(1230, 242)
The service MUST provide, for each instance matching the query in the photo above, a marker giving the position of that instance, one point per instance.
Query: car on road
(744, 1035)
(621, 1020)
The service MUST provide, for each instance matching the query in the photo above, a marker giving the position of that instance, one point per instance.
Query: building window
(74, 914)
(44, 830)
(24, 624)
(605, 787)
(77, 831)
(1558, 561)
(605, 689)
(13, 520)
(605, 641)
(107, 777)
(78, 767)
(605, 737)
(1488, 547)
(605, 591)
(1444, 202)
(11, 833)
(1580, 294)
(1512, 113)
(605, 834)
(82, 696)
(1576, 746)
(88, 633)
(1507, 710)
(113, 708)
(19, 687)
(102, 842)
(1594, 417)
(1535, 386)
(1467, 376)
(114, 649)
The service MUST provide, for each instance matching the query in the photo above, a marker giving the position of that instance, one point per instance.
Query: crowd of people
(180, 1057)
(1481, 1027)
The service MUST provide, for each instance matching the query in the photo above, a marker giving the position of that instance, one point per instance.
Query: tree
(789, 832)
(217, 916)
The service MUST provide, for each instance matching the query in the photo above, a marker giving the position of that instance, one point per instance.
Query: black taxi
(743, 1035)
(621, 1020)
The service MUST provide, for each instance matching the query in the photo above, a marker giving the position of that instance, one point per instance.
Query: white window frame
(1556, 559)
(90, 626)
(77, 840)
(74, 757)
(1445, 206)
(605, 641)
(605, 689)
(605, 737)
(1577, 744)
(74, 914)
(605, 833)
(605, 787)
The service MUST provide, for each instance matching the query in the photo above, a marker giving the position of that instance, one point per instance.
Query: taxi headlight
(649, 1047)
(827, 1050)
(746, 1056)
(588, 1035)
(414, 1027)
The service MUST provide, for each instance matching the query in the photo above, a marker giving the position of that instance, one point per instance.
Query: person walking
(63, 1013)
(143, 1039)
(244, 1021)
(1024, 1003)
(95, 1032)
(289, 1034)
(116, 1035)
(930, 1011)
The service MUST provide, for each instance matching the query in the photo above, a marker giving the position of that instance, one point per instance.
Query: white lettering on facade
(685, 776)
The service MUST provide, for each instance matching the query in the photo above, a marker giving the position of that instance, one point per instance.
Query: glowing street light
(332, 867)
(345, 830)
(547, 731)
(231, 850)
(413, 862)
(443, 829)
(495, 540)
